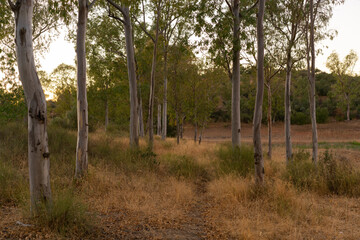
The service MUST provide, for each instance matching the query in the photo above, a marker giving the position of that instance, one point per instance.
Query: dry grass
(155, 203)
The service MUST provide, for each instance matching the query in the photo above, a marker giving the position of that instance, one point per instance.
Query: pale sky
(345, 19)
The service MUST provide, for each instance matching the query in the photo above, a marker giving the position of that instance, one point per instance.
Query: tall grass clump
(301, 172)
(105, 150)
(338, 176)
(13, 187)
(330, 176)
(67, 215)
(238, 161)
(182, 166)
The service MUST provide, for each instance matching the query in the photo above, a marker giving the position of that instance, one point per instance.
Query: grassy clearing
(331, 176)
(143, 194)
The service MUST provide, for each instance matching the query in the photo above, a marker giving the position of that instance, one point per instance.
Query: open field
(181, 191)
(328, 132)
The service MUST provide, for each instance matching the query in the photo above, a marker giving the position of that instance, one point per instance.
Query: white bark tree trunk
(159, 120)
(311, 74)
(141, 121)
(269, 117)
(235, 98)
(131, 66)
(152, 84)
(82, 105)
(164, 117)
(258, 156)
(134, 136)
(288, 108)
(38, 152)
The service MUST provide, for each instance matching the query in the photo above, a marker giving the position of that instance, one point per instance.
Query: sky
(345, 20)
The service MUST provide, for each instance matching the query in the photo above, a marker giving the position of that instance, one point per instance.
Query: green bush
(300, 118)
(13, 187)
(103, 149)
(330, 176)
(301, 172)
(183, 166)
(322, 115)
(236, 160)
(67, 215)
(338, 176)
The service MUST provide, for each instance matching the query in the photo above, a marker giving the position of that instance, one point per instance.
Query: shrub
(183, 166)
(236, 160)
(300, 118)
(332, 175)
(13, 187)
(338, 176)
(322, 115)
(67, 215)
(301, 172)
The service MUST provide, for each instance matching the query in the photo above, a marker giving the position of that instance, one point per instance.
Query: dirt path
(328, 132)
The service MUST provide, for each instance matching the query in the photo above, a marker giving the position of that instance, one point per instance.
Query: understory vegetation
(163, 187)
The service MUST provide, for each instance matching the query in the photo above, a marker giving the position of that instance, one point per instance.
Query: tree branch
(115, 17)
(118, 7)
(12, 6)
(229, 5)
(253, 6)
(90, 5)
(144, 29)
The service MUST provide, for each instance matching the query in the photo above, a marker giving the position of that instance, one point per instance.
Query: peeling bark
(38, 151)
(258, 157)
(82, 105)
(235, 98)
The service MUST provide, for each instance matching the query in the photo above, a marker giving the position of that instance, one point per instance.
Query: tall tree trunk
(159, 120)
(195, 132)
(235, 98)
(141, 121)
(152, 85)
(269, 119)
(82, 105)
(288, 108)
(164, 117)
(182, 127)
(134, 136)
(312, 86)
(201, 133)
(106, 107)
(177, 128)
(38, 151)
(258, 157)
(348, 108)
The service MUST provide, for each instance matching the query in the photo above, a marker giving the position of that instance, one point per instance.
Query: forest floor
(180, 192)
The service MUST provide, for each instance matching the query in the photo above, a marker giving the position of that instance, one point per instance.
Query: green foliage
(331, 175)
(301, 172)
(104, 150)
(236, 160)
(300, 118)
(67, 215)
(13, 187)
(183, 166)
(322, 115)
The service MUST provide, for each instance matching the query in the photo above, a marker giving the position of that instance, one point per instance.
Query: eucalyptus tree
(287, 17)
(346, 85)
(231, 20)
(38, 151)
(82, 104)
(176, 14)
(156, 6)
(124, 9)
(317, 13)
(258, 157)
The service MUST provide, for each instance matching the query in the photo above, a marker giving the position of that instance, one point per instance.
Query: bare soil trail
(329, 132)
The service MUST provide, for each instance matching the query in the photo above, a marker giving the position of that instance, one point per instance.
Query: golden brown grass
(156, 204)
